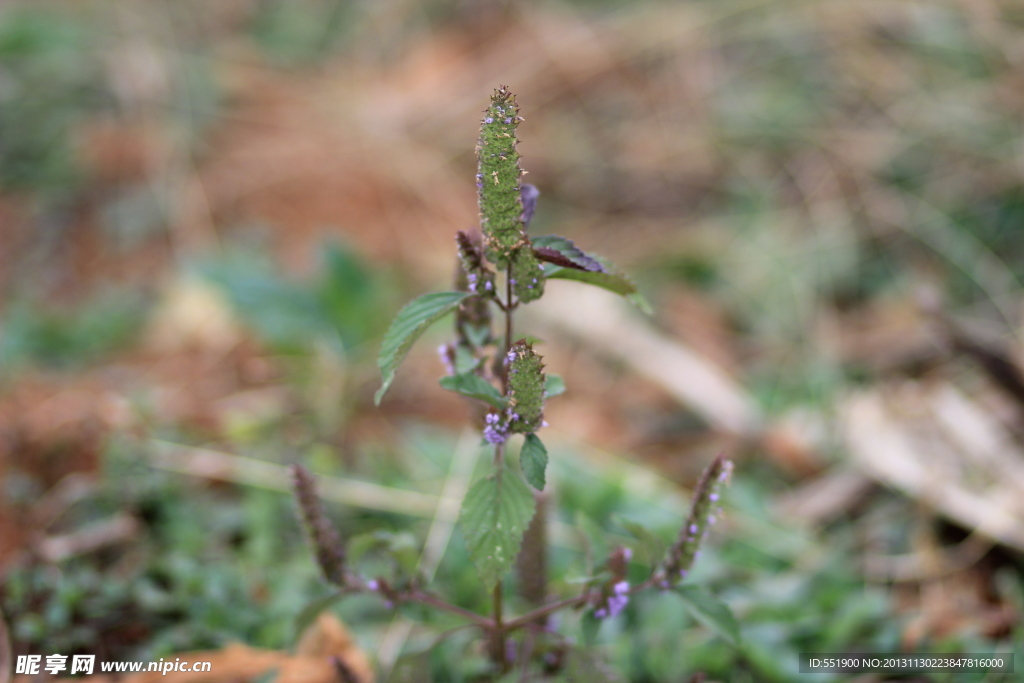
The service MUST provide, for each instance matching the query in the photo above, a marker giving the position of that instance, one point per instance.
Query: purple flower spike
(528, 193)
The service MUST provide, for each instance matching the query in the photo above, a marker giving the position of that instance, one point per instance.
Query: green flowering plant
(500, 269)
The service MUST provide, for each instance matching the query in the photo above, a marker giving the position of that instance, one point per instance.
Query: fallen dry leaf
(326, 654)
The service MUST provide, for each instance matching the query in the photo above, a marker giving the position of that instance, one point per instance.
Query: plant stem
(428, 599)
(550, 608)
(544, 611)
(508, 308)
(498, 635)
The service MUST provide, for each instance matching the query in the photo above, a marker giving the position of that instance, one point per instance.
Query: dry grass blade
(204, 462)
(446, 516)
(117, 529)
(917, 461)
(602, 321)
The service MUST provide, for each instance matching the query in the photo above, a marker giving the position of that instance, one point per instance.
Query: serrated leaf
(474, 386)
(533, 457)
(613, 282)
(494, 516)
(554, 385)
(711, 611)
(407, 327)
(651, 544)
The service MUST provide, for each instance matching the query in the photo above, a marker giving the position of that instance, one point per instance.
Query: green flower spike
(703, 512)
(499, 178)
(525, 389)
(527, 275)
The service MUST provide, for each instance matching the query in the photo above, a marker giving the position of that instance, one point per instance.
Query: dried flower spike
(330, 554)
(525, 389)
(702, 515)
(474, 314)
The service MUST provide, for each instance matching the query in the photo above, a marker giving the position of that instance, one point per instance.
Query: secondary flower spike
(702, 515)
(498, 179)
(525, 389)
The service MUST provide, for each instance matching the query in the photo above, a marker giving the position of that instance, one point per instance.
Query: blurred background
(210, 211)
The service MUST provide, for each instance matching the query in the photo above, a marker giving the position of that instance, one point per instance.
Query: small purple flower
(507, 121)
(693, 529)
(372, 585)
(447, 355)
(627, 554)
(619, 598)
(488, 286)
(528, 194)
(494, 435)
(600, 613)
(713, 497)
(682, 573)
(488, 120)
(511, 356)
(495, 432)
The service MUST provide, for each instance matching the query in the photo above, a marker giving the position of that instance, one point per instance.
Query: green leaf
(711, 611)
(613, 282)
(407, 327)
(651, 544)
(494, 517)
(313, 609)
(533, 458)
(474, 386)
(589, 626)
(554, 385)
